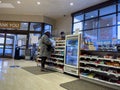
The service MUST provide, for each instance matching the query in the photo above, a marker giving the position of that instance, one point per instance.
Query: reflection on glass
(23, 39)
(118, 7)
(107, 33)
(108, 20)
(118, 33)
(34, 39)
(21, 42)
(71, 51)
(118, 18)
(91, 34)
(91, 24)
(9, 41)
(1, 40)
(78, 18)
(35, 26)
(8, 51)
(1, 51)
(91, 14)
(8, 46)
(108, 10)
(22, 52)
(78, 26)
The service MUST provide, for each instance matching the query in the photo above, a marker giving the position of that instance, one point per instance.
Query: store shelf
(99, 64)
(96, 64)
(62, 59)
(100, 71)
(60, 41)
(59, 50)
(58, 54)
(110, 83)
(57, 58)
(55, 62)
(106, 59)
(59, 46)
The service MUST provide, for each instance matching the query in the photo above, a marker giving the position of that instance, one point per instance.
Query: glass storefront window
(78, 18)
(78, 26)
(107, 33)
(108, 10)
(24, 26)
(90, 36)
(35, 26)
(118, 18)
(1, 51)
(118, 7)
(48, 28)
(107, 20)
(91, 14)
(91, 24)
(118, 33)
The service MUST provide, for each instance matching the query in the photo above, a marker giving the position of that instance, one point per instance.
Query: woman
(45, 49)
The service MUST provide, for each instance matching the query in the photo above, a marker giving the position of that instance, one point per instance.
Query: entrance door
(2, 40)
(9, 46)
(6, 45)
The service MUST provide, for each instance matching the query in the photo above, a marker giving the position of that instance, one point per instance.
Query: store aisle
(20, 79)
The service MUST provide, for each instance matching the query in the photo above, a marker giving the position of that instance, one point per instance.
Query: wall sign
(14, 25)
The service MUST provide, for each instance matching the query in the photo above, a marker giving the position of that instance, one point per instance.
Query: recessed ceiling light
(38, 3)
(71, 4)
(18, 2)
(0, 1)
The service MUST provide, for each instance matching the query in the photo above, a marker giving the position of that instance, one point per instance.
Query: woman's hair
(61, 33)
(47, 33)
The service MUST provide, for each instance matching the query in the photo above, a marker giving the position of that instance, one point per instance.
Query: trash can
(17, 53)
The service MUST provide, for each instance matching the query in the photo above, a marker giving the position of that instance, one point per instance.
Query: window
(118, 18)
(91, 14)
(100, 25)
(35, 26)
(24, 26)
(78, 26)
(108, 10)
(91, 35)
(78, 18)
(48, 28)
(118, 33)
(108, 20)
(33, 39)
(118, 7)
(91, 24)
(107, 33)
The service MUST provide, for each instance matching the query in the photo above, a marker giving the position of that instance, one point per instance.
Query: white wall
(63, 24)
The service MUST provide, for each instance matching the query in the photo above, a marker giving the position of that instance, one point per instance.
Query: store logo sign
(14, 25)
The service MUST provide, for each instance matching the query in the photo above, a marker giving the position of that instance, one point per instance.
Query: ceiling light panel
(38, 3)
(71, 4)
(18, 2)
(6, 5)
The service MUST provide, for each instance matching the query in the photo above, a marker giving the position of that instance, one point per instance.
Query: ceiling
(50, 8)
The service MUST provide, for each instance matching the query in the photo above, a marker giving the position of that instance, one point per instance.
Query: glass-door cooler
(72, 50)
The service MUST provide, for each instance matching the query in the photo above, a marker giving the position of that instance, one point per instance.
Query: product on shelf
(57, 58)
(104, 68)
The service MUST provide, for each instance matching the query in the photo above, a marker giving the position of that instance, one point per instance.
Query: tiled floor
(20, 79)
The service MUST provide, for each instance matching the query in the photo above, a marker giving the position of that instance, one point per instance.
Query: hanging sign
(14, 25)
